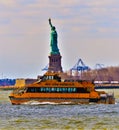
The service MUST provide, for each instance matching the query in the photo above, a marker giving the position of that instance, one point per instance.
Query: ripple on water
(34, 116)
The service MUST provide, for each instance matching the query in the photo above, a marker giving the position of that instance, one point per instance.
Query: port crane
(45, 68)
(79, 67)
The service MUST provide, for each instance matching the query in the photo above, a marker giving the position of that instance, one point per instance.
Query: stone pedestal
(55, 63)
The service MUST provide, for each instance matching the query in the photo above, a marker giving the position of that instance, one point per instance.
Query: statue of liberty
(53, 40)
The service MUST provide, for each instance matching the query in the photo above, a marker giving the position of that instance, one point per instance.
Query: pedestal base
(55, 63)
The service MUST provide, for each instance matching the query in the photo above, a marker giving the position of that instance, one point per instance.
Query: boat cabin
(51, 76)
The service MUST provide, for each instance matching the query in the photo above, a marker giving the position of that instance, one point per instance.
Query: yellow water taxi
(51, 89)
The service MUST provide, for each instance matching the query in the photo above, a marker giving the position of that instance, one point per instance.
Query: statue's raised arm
(50, 22)
(53, 39)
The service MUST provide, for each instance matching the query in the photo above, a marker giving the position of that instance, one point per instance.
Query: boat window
(47, 77)
(30, 90)
(50, 77)
(82, 90)
(53, 89)
(57, 90)
(74, 89)
(42, 89)
(64, 89)
(69, 90)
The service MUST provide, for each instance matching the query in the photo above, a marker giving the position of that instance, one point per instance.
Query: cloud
(7, 2)
(104, 3)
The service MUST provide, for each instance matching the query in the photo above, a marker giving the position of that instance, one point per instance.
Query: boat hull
(18, 101)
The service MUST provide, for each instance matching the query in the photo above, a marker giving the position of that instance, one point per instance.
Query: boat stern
(107, 98)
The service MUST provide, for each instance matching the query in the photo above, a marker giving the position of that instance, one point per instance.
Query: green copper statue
(53, 40)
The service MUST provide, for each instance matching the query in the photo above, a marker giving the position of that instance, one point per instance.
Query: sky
(87, 29)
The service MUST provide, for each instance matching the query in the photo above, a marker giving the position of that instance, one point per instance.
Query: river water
(57, 117)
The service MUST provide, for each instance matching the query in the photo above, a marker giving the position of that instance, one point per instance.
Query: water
(57, 117)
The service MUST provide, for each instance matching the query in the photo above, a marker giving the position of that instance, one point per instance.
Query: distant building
(20, 82)
(23, 82)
